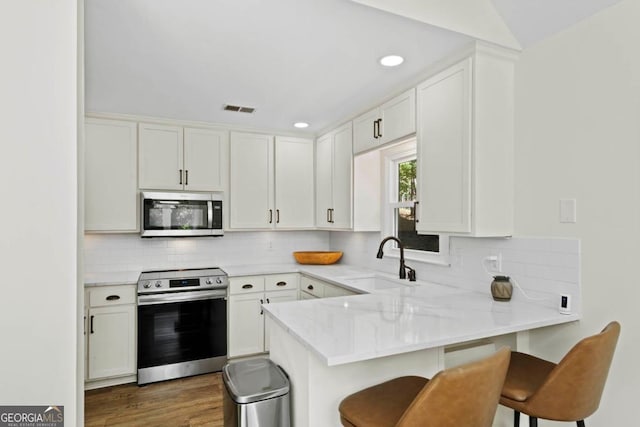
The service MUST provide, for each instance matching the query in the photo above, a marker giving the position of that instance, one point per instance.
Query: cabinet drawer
(246, 284)
(312, 286)
(281, 282)
(112, 295)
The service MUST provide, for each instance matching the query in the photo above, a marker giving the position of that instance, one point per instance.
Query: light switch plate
(568, 210)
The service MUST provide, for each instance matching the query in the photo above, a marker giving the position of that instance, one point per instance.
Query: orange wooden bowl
(317, 257)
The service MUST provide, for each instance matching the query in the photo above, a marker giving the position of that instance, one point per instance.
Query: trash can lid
(254, 380)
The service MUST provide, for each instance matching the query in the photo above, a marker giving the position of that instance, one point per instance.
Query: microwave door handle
(209, 214)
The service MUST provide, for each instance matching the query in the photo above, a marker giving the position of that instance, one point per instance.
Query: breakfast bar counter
(335, 346)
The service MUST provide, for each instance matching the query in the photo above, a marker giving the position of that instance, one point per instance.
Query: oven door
(180, 336)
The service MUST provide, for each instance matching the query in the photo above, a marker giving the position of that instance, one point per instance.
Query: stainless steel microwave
(173, 214)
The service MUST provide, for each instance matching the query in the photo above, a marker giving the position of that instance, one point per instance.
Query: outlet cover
(568, 211)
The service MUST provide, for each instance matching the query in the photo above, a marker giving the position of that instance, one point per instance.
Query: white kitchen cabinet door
(160, 157)
(246, 324)
(294, 183)
(112, 346)
(365, 135)
(391, 121)
(444, 149)
(342, 178)
(111, 187)
(324, 180)
(465, 147)
(367, 184)
(205, 159)
(272, 298)
(334, 158)
(251, 181)
(398, 117)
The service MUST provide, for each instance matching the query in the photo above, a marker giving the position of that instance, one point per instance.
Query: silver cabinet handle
(180, 175)
(261, 310)
(113, 298)
(277, 216)
(186, 177)
(281, 284)
(415, 211)
(270, 216)
(247, 286)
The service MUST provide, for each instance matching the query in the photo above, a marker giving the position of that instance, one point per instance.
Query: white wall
(38, 194)
(578, 136)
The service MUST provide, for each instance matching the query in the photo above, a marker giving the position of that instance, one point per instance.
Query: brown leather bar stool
(568, 391)
(462, 396)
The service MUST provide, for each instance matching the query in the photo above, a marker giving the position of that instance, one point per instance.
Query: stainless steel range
(182, 323)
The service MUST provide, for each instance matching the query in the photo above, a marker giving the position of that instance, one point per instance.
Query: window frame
(391, 157)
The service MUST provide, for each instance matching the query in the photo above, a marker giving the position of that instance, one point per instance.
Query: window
(399, 205)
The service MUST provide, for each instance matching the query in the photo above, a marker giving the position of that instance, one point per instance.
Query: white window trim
(404, 150)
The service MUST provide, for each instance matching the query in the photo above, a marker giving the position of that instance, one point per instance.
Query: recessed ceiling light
(391, 60)
(301, 125)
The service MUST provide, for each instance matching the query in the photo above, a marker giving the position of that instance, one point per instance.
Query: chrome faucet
(403, 267)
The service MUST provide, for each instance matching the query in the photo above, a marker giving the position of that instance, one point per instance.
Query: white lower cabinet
(246, 319)
(110, 332)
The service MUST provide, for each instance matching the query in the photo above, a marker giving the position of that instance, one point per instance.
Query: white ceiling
(293, 60)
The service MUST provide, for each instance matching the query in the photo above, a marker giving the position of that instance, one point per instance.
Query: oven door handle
(180, 297)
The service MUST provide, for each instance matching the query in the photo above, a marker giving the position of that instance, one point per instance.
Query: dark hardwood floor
(194, 401)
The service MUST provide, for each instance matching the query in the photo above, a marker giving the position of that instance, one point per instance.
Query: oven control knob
(146, 284)
(218, 280)
(208, 281)
(158, 284)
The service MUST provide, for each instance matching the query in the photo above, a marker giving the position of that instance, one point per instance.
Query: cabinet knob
(310, 287)
(248, 286)
(113, 298)
(281, 284)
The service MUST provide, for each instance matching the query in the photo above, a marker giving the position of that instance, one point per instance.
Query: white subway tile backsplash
(128, 252)
(544, 267)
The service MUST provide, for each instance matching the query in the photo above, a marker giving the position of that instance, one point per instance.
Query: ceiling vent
(239, 109)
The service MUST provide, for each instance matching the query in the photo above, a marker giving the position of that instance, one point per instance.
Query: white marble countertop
(391, 317)
(328, 272)
(397, 316)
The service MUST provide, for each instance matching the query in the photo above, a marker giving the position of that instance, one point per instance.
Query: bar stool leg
(580, 423)
(516, 419)
(533, 421)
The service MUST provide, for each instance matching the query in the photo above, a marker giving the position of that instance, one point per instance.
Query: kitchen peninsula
(334, 346)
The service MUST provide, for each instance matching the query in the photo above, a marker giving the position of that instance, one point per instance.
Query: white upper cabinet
(294, 197)
(160, 157)
(271, 182)
(205, 159)
(367, 185)
(251, 181)
(391, 121)
(334, 161)
(465, 147)
(111, 161)
(177, 158)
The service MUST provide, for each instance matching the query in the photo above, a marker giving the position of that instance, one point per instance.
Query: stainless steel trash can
(256, 394)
